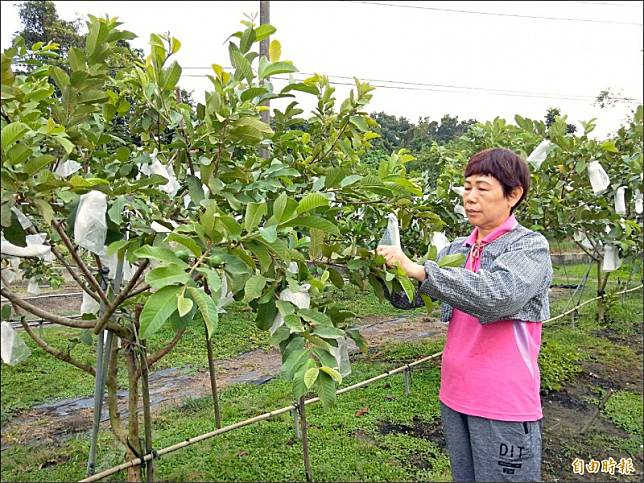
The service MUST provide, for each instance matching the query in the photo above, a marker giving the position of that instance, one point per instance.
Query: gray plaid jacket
(511, 283)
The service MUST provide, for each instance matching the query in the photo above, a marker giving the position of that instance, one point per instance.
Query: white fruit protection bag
(14, 349)
(391, 236)
(90, 227)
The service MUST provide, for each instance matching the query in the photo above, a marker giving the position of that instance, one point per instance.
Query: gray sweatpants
(483, 449)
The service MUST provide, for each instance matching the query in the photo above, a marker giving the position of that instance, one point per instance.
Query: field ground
(591, 394)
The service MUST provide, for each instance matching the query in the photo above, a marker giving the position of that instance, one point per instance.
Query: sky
(427, 58)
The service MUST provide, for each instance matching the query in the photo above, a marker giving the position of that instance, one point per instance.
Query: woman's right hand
(395, 256)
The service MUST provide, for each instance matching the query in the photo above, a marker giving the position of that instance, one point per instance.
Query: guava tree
(195, 207)
(565, 202)
(562, 203)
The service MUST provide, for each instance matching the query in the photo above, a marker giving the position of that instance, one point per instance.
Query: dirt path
(57, 421)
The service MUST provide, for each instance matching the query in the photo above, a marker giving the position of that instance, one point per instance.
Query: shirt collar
(508, 225)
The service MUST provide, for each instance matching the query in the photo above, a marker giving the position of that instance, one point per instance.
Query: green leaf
(195, 189)
(429, 305)
(252, 93)
(315, 222)
(207, 308)
(172, 274)
(45, 210)
(12, 132)
(240, 63)
(407, 287)
(266, 315)
(275, 51)
(59, 76)
(254, 214)
(326, 389)
(316, 317)
(212, 277)
(360, 123)
(261, 252)
(278, 206)
(161, 254)
(349, 180)
(247, 39)
(328, 331)
(115, 212)
(310, 376)
(275, 68)
(254, 287)
(187, 242)
(67, 145)
(37, 163)
(295, 359)
(453, 260)
(184, 305)
(269, 233)
(175, 45)
(264, 31)
(231, 226)
(358, 339)
(157, 310)
(336, 278)
(312, 201)
(6, 312)
(115, 247)
(172, 76)
(15, 233)
(335, 375)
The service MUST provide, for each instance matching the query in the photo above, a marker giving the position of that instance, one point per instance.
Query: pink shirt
(491, 370)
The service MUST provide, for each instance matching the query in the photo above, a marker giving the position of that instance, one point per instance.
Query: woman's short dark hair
(507, 167)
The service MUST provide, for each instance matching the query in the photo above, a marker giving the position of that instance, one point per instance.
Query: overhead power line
(516, 15)
(480, 91)
(610, 4)
(406, 85)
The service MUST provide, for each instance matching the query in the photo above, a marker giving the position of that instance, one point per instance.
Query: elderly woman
(489, 394)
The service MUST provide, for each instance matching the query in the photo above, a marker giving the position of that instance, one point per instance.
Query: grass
(344, 445)
(43, 378)
(624, 409)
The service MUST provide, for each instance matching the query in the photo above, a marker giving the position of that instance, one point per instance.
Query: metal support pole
(103, 349)
(296, 423)
(98, 384)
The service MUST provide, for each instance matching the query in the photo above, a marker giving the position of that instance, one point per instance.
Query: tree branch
(122, 295)
(57, 319)
(317, 158)
(32, 309)
(64, 263)
(161, 353)
(55, 352)
(138, 291)
(586, 251)
(79, 262)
